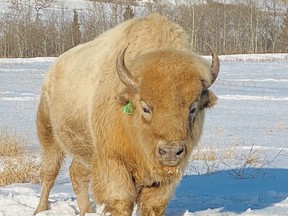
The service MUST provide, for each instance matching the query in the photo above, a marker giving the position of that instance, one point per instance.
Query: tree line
(34, 29)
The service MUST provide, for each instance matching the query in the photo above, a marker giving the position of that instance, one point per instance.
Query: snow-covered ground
(239, 168)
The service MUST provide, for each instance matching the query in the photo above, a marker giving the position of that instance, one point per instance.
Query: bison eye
(192, 110)
(146, 110)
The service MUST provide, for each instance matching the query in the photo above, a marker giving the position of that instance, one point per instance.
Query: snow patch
(252, 98)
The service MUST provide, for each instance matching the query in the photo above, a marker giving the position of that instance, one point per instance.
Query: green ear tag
(128, 108)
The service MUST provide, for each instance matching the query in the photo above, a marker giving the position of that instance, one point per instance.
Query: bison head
(168, 90)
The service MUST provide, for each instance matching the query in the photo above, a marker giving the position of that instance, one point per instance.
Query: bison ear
(208, 99)
(123, 97)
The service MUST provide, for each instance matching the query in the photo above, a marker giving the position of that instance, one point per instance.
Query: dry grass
(212, 153)
(279, 126)
(18, 163)
(212, 157)
(249, 165)
(214, 150)
(240, 165)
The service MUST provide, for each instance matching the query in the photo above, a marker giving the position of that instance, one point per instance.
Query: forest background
(34, 28)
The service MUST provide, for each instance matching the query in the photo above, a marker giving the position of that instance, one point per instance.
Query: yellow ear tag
(128, 108)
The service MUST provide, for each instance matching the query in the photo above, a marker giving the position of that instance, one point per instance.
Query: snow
(250, 122)
(248, 97)
(256, 57)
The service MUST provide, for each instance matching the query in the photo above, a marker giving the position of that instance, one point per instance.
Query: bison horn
(214, 69)
(123, 73)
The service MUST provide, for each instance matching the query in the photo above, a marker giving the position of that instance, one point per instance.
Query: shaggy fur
(81, 115)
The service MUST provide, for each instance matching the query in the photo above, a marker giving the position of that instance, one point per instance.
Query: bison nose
(170, 154)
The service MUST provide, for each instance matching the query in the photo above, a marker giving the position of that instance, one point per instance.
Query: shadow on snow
(229, 194)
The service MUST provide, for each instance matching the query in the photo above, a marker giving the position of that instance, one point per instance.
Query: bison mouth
(171, 153)
(170, 163)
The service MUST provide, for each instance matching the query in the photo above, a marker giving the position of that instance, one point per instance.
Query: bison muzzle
(170, 153)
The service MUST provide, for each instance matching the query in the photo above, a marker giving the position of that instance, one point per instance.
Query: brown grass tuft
(18, 163)
(9, 144)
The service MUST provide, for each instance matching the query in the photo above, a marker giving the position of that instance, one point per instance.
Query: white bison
(128, 107)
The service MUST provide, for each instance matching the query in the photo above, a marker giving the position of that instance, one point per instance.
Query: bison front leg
(153, 201)
(113, 187)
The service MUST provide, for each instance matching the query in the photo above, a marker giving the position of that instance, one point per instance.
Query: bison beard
(137, 156)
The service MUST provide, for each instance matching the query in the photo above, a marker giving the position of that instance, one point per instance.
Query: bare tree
(40, 5)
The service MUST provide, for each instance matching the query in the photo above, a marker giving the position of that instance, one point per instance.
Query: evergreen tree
(76, 34)
(128, 14)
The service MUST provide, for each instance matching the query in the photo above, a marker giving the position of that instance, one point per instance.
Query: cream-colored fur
(80, 115)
